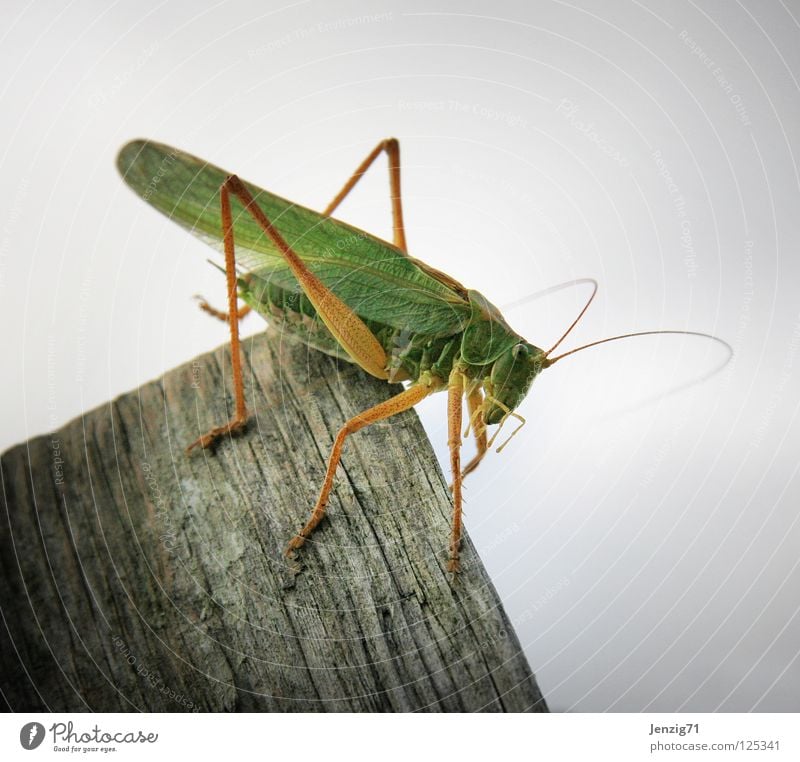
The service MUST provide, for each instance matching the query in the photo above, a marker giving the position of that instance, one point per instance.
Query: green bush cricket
(354, 296)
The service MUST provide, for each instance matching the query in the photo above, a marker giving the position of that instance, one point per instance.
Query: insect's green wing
(375, 279)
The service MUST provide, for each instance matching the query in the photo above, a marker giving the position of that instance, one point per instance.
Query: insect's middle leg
(397, 404)
(455, 394)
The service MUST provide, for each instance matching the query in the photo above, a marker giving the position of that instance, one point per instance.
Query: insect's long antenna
(550, 361)
(580, 314)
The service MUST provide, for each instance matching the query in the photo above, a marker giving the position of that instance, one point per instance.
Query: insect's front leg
(477, 423)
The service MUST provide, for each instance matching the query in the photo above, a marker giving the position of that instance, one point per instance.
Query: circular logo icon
(31, 735)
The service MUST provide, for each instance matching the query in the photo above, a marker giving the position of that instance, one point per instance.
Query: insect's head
(511, 376)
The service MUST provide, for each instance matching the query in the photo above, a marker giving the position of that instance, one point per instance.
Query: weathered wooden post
(137, 578)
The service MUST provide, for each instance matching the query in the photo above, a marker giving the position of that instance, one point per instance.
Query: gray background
(645, 542)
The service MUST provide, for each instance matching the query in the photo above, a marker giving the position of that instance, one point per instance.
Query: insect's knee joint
(429, 380)
(233, 183)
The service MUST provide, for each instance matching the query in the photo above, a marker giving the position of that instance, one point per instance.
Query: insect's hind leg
(397, 404)
(392, 148)
(237, 423)
(349, 330)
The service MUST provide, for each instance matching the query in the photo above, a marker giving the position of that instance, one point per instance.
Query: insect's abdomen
(291, 312)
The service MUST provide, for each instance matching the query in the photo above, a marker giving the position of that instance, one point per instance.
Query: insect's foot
(454, 565)
(211, 437)
(208, 309)
(294, 544)
(241, 312)
(294, 565)
(464, 474)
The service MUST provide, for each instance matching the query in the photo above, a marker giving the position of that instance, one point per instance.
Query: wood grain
(139, 578)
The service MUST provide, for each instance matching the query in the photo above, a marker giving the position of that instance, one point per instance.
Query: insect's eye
(519, 349)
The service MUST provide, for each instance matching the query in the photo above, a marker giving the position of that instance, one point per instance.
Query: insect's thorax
(487, 351)
(506, 364)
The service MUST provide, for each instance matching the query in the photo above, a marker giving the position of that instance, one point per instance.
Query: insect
(354, 296)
